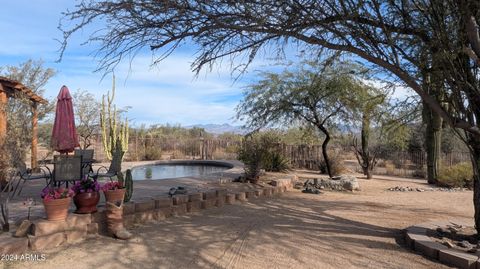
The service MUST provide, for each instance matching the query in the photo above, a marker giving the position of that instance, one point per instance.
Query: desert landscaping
(240, 134)
(363, 229)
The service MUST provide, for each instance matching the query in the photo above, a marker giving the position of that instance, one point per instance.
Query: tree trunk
(369, 174)
(367, 163)
(5, 223)
(475, 151)
(324, 149)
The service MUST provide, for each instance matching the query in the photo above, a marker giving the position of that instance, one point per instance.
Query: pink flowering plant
(86, 185)
(112, 185)
(50, 193)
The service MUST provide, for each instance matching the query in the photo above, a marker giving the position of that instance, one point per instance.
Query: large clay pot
(57, 210)
(114, 195)
(86, 202)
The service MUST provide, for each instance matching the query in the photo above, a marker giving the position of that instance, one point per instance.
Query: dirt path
(332, 230)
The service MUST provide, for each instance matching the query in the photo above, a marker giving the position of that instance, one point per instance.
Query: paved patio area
(143, 189)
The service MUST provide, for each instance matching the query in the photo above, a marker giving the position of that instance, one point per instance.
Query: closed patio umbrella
(64, 134)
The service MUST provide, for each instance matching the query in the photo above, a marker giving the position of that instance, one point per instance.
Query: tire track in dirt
(233, 253)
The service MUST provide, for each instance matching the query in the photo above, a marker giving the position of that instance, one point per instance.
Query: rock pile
(407, 188)
(453, 236)
(340, 183)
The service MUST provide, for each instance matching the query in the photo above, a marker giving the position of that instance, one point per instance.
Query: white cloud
(168, 92)
(399, 91)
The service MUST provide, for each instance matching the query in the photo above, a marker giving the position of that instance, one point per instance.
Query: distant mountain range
(220, 128)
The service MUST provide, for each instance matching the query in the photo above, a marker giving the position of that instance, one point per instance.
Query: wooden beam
(3, 113)
(34, 163)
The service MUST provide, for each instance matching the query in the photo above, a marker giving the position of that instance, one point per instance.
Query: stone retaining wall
(417, 239)
(45, 234)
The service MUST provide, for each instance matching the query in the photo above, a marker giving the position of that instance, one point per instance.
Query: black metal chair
(87, 160)
(27, 174)
(66, 168)
(11, 187)
(108, 173)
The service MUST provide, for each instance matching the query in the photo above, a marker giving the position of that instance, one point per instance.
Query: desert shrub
(260, 151)
(459, 175)
(419, 172)
(336, 164)
(390, 168)
(274, 161)
(152, 153)
(381, 163)
(220, 153)
(178, 154)
(251, 154)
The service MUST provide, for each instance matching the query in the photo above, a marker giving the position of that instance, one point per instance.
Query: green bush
(260, 151)
(152, 154)
(275, 162)
(459, 175)
(251, 154)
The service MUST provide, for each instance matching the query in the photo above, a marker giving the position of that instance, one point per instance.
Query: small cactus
(128, 183)
(148, 173)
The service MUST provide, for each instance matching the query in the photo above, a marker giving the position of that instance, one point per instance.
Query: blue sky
(168, 92)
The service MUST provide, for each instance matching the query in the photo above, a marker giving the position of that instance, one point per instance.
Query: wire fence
(399, 163)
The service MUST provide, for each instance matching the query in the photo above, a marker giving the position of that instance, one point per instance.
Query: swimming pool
(176, 170)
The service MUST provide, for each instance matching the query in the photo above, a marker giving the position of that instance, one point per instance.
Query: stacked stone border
(45, 234)
(417, 239)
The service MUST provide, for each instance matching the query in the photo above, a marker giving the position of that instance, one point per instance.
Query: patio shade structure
(64, 134)
(11, 89)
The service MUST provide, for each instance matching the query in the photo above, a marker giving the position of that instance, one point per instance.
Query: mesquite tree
(87, 111)
(311, 93)
(391, 35)
(13, 147)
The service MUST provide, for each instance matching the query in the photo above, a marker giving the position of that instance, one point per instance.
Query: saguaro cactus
(114, 134)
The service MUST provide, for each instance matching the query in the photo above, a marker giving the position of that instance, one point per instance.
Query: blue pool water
(163, 171)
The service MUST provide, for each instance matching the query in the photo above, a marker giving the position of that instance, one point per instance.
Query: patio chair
(87, 160)
(107, 173)
(66, 169)
(27, 174)
(8, 189)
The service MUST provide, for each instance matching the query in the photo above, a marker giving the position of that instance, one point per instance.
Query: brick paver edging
(45, 234)
(417, 239)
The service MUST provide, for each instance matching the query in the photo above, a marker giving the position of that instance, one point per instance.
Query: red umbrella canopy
(64, 134)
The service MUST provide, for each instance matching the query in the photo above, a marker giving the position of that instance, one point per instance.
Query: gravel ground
(330, 230)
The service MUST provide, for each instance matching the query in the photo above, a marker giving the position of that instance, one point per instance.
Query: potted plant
(56, 202)
(114, 191)
(86, 195)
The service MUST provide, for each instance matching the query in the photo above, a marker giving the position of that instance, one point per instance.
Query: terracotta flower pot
(86, 202)
(114, 195)
(57, 210)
